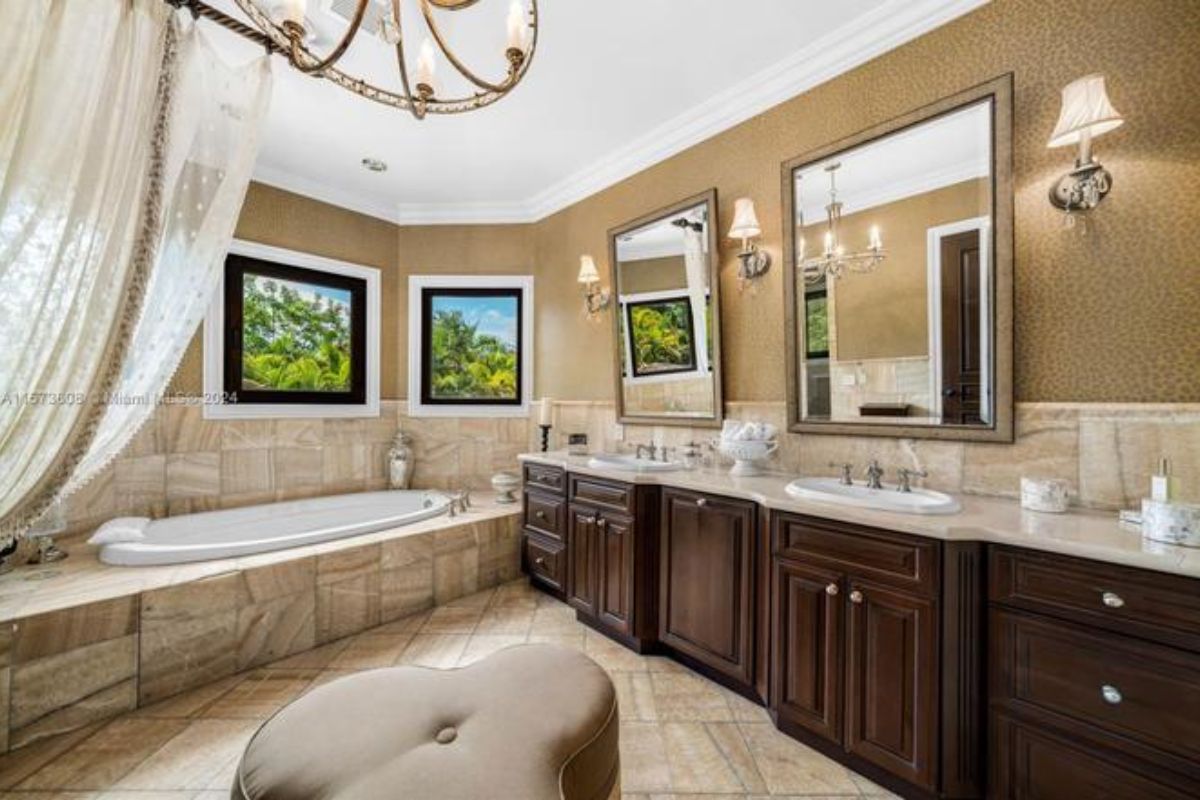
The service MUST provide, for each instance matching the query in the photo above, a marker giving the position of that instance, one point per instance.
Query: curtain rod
(198, 8)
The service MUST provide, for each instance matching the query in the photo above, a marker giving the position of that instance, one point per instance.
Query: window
(292, 335)
(469, 345)
(816, 324)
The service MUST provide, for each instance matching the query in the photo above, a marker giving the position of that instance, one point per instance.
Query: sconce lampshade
(745, 221)
(1085, 108)
(587, 270)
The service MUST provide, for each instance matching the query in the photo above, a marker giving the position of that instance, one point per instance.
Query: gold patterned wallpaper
(1104, 313)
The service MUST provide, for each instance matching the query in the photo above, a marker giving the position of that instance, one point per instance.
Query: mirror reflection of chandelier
(834, 261)
(282, 26)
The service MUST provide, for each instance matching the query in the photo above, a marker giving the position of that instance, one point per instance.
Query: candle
(546, 412)
(426, 65)
(876, 239)
(828, 243)
(291, 11)
(516, 26)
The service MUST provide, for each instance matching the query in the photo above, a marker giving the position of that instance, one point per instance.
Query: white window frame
(214, 342)
(416, 285)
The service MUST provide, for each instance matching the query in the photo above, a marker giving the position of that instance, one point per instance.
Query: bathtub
(272, 526)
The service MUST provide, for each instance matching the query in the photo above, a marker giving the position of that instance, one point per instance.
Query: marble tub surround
(180, 462)
(81, 641)
(1105, 452)
(681, 735)
(1082, 533)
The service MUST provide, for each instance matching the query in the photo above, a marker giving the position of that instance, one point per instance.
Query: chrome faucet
(646, 448)
(906, 476)
(874, 473)
(664, 454)
(847, 473)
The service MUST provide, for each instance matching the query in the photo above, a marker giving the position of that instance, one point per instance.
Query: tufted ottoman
(534, 721)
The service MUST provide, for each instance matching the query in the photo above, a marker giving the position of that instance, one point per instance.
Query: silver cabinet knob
(540, 561)
(856, 596)
(701, 502)
(1111, 694)
(602, 523)
(1112, 600)
(540, 514)
(831, 589)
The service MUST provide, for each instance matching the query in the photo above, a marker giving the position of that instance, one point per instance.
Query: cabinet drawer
(906, 562)
(1148, 604)
(1034, 763)
(544, 561)
(617, 496)
(545, 477)
(546, 513)
(1145, 692)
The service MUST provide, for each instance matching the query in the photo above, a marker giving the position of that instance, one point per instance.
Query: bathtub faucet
(460, 502)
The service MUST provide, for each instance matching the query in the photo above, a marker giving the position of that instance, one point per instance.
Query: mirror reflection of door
(961, 331)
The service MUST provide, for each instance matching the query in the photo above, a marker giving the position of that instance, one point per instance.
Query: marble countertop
(1085, 534)
(82, 578)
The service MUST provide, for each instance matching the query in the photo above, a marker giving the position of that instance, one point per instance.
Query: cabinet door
(807, 664)
(615, 548)
(891, 705)
(706, 561)
(581, 559)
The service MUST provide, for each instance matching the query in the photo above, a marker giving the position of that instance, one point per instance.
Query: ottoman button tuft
(447, 735)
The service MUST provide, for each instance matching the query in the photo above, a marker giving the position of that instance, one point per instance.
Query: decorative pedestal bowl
(747, 455)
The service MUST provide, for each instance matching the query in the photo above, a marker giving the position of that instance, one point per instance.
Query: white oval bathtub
(272, 526)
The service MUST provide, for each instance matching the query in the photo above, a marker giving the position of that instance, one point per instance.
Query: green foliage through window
(662, 337)
(472, 346)
(295, 336)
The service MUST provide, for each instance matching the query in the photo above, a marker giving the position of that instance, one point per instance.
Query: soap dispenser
(1162, 485)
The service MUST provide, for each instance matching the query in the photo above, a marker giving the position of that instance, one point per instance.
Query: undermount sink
(630, 463)
(832, 490)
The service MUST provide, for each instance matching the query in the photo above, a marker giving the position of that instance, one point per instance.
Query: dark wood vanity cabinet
(544, 526)
(863, 637)
(706, 582)
(1095, 679)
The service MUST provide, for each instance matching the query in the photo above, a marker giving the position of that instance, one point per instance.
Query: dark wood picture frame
(236, 268)
(428, 294)
(999, 91)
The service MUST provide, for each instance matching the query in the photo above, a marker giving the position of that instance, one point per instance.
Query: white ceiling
(616, 85)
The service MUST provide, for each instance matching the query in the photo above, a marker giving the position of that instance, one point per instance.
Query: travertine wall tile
(191, 475)
(71, 689)
(455, 563)
(60, 631)
(185, 429)
(298, 467)
(348, 586)
(247, 471)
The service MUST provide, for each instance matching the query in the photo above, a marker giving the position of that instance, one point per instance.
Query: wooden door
(962, 342)
(891, 680)
(615, 548)
(807, 662)
(706, 561)
(581, 559)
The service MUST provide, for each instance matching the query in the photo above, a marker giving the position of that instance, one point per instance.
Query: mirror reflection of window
(894, 278)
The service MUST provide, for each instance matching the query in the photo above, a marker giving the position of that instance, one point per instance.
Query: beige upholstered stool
(534, 721)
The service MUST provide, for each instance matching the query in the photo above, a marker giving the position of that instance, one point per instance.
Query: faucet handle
(847, 469)
(906, 476)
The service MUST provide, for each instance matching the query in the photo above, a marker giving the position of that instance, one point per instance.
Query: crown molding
(868, 36)
(323, 193)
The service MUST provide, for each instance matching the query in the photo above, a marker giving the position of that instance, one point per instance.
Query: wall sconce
(595, 297)
(1086, 113)
(755, 262)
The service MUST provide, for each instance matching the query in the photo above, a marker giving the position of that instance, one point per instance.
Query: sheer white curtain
(217, 111)
(81, 111)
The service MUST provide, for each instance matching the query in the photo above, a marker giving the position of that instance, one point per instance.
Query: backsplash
(182, 463)
(1106, 451)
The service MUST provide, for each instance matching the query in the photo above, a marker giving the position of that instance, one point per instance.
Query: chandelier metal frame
(288, 39)
(834, 261)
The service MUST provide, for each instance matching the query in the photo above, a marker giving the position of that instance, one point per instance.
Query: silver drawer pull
(1112, 600)
(856, 596)
(540, 561)
(1111, 694)
(701, 502)
(831, 589)
(540, 514)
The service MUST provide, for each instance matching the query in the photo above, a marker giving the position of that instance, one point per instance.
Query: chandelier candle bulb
(516, 26)
(876, 240)
(426, 66)
(292, 11)
(546, 412)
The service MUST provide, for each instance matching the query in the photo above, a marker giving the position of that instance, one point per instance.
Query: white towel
(733, 431)
(121, 529)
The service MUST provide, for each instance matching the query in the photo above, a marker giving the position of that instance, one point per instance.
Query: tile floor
(682, 736)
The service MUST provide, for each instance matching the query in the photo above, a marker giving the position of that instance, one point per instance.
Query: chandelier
(834, 261)
(280, 26)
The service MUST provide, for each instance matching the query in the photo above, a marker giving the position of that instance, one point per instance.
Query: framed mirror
(899, 278)
(666, 320)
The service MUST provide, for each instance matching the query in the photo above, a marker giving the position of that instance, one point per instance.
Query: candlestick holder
(545, 437)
